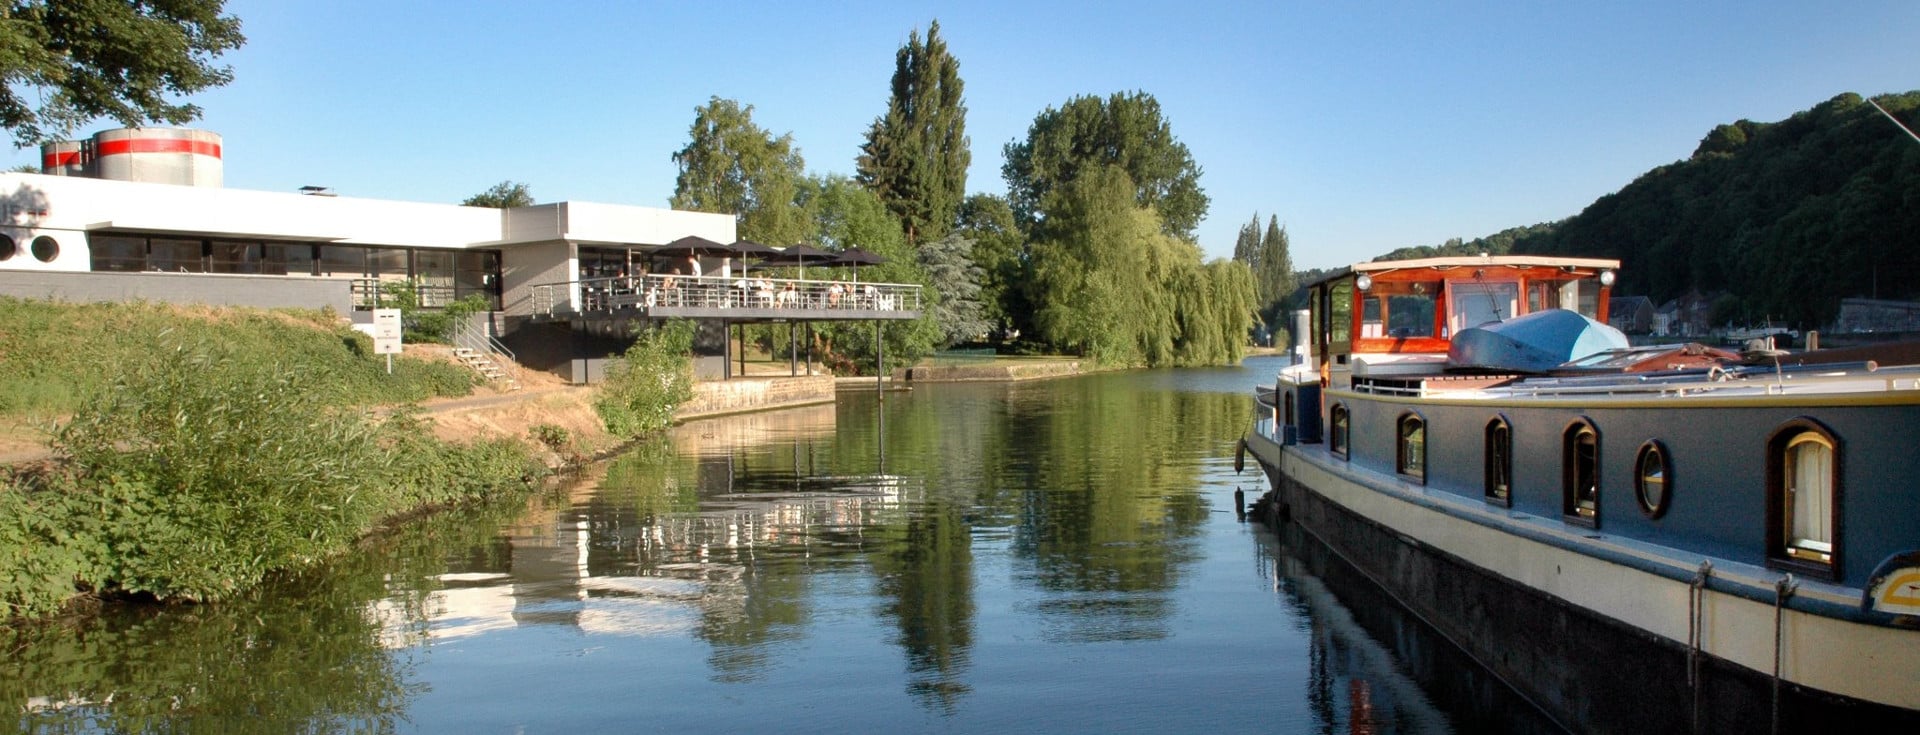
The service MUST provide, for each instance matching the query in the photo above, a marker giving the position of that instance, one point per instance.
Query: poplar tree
(916, 155)
(1273, 273)
(732, 166)
(1246, 247)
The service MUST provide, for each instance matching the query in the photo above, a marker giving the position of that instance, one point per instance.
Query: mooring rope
(1696, 608)
(1782, 590)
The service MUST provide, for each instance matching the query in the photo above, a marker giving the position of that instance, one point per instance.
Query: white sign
(386, 331)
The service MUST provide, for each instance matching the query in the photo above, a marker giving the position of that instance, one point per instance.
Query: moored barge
(1636, 539)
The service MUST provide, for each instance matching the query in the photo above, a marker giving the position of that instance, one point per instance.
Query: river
(1057, 556)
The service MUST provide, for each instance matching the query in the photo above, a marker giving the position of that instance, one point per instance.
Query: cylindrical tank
(158, 156)
(64, 158)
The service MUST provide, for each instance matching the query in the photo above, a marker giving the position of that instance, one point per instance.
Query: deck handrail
(720, 292)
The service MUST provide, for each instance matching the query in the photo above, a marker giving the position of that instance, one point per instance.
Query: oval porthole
(7, 248)
(45, 249)
(1653, 479)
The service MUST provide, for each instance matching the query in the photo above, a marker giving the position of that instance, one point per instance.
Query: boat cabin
(1398, 317)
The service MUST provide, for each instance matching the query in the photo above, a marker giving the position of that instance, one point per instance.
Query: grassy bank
(207, 449)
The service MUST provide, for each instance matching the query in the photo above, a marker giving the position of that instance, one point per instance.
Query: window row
(443, 275)
(1802, 476)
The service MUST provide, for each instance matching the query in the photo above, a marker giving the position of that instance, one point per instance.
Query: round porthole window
(45, 249)
(7, 248)
(1653, 479)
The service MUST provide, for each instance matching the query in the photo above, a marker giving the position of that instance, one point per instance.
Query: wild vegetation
(648, 382)
(209, 448)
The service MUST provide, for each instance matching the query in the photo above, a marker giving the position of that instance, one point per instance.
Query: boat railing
(1266, 411)
(720, 292)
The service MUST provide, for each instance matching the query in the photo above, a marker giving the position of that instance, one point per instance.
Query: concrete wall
(756, 394)
(522, 268)
(179, 288)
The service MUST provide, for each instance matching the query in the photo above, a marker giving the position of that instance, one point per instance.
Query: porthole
(1337, 434)
(7, 248)
(45, 249)
(1498, 461)
(1411, 454)
(1580, 473)
(1653, 479)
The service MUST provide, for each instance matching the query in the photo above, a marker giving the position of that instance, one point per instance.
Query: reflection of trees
(303, 654)
(927, 573)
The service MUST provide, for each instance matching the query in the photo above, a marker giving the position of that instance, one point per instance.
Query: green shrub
(422, 324)
(552, 436)
(649, 382)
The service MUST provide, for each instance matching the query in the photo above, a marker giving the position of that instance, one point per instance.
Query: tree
(841, 215)
(916, 155)
(122, 60)
(999, 248)
(1124, 130)
(1273, 275)
(1246, 246)
(504, 195)
(952, 272)
(732, 166)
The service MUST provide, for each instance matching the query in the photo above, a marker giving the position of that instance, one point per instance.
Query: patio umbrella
(798, 255)
(693, 246)
(854, 258)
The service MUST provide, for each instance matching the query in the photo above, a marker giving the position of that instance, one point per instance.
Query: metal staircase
(476, 349)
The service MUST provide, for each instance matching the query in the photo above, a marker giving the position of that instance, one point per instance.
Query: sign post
(386, 334)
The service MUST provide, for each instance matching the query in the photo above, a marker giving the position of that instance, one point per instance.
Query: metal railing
(720, 292)
(466, 335)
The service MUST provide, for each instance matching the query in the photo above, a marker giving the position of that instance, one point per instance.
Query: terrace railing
(606, 295)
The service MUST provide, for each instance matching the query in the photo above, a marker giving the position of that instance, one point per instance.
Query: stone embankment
(993, 371)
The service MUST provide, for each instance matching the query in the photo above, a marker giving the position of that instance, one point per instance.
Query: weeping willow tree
(1111, 284)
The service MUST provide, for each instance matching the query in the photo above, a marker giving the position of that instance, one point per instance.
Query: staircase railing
(466, 335)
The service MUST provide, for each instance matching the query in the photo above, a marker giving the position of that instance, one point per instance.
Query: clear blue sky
(1364, 126)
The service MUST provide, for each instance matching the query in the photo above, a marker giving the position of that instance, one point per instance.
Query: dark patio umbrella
(854, 258)
(692, 246)
(798, 255)
(751, 249)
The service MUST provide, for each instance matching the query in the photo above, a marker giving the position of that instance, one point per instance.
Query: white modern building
(140, 214)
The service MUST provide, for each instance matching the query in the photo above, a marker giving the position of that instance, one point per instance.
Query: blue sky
(1363, 126)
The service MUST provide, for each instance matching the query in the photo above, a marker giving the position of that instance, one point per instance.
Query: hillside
(1788, 217)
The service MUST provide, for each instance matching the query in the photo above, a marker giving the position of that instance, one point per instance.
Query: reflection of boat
(1648, 539)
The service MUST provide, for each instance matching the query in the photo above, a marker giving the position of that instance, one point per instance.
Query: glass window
(342, 261)
(1411, 457)
(1340, 314)
(1809, 497)
(1580, 459)
(1499, 461)
(1337, 435)
(1289, 404)
(478, 272)
(118, 252)
(1653, 479)
(387, 264)
(433, 271)
(175, 256)
(300, 260)
(1471, 304)
(7, 248)
(227, 256)
(45, 249)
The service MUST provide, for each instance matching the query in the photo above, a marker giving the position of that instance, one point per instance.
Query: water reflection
(1046, 556)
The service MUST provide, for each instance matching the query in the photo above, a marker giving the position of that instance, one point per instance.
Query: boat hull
(1590, 642)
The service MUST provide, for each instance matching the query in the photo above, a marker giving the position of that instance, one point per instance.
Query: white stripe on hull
(1867, 662)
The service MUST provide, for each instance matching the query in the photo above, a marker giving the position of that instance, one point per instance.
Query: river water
(1058, 556)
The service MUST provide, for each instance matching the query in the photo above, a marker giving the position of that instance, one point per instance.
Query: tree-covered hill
(1787, 217)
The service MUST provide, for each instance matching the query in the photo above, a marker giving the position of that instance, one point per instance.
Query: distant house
(1875, 315)
(1686, 316)
(1630, 314)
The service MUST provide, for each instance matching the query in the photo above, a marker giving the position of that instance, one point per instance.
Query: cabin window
(7, 248)
(1340, 315)
(1411, 455)
(1580, 473)
(1398, 310)
(1499, 461)
(1473, 303)
(1653, 479)
(1337, 434)
(1803, 489)
(1289, 408)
